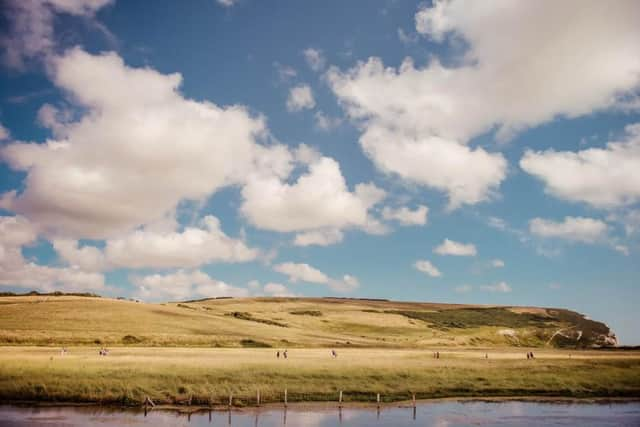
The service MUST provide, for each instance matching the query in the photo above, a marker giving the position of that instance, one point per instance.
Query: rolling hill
(290, 322)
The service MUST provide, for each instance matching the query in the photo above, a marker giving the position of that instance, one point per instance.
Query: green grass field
(169, 375)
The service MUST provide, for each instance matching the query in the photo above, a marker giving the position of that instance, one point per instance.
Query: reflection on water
(439, 414)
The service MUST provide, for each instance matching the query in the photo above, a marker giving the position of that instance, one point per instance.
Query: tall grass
(171, 375)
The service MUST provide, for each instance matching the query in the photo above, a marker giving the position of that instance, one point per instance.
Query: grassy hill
(289, 322)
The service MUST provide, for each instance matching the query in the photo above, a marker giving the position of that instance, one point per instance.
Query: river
(439, 414)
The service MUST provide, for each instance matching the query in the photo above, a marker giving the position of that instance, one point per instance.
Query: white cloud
(88, 183)
(416, 120)
(315, 58)
(406, 216)
(190, 248)
(326, 123)
(86, 258)
(497, 263)
(426, 267)
(277, 290)
(318, 199)
(324, 237)
(183, 285)
(624, 250)
(300, 98)
(30, 31)
(498, 287)
(578, 229)
(407, 38)
(301, 272)
(450, 247)
(285, 72)
(306, 273)
(602, 177)
(227, 3)
(4, 133)
(15, 270)
(155, 247)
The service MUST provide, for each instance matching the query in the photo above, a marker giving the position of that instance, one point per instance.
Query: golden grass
(171, 374)
(68, 320)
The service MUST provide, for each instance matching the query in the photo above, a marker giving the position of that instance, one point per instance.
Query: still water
(449, 414)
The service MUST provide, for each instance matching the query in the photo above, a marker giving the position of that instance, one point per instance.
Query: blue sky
(388, 149)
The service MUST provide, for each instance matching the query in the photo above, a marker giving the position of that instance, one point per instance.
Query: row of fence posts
(148, 403)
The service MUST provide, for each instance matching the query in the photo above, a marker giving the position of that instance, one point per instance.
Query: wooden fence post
(340, 400)
(258, 397)
(285, 397)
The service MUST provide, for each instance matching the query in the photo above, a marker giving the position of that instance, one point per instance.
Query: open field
(169, 375)
(290, 322)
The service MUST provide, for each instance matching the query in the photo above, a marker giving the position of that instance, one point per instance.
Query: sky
(482, 153)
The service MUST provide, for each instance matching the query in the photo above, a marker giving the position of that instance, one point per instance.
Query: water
(439, 414)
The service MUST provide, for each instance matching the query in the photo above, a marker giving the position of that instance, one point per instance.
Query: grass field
(170, 375)
(208, 349)
(291, 322)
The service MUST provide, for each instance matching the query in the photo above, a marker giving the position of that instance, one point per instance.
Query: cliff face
(580, 331)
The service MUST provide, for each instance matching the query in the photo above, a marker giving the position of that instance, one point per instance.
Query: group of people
(63, 351)
(436, 355)
(530, 355)
(104, 352)
(284, 354)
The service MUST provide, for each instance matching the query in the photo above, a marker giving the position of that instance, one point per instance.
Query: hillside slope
(290, 322)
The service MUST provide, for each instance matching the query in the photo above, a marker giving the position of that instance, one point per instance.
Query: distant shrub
(254, 344)
(248, 316)
(131, 339)
(315, 313)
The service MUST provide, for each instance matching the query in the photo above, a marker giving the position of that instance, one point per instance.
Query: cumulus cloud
(155, 247)
(277, 290)
(86, 258)
(301, 272)
(315, 58)
(318, 237)
(285, 72)
(426, 267)
(15, 270)
(88, 182)
(498, 287)
(190, 248)
(227, 3)
(601, 177)
(406, 216)
(578, 229)
(183, 284)
(4, 133)
(417, 121)
(30, 34)
(319, 199)
(326, 123)
(450, 247)
(300, 98)
(497, 263)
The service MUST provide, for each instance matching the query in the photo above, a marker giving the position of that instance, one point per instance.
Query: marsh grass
(172, 375)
